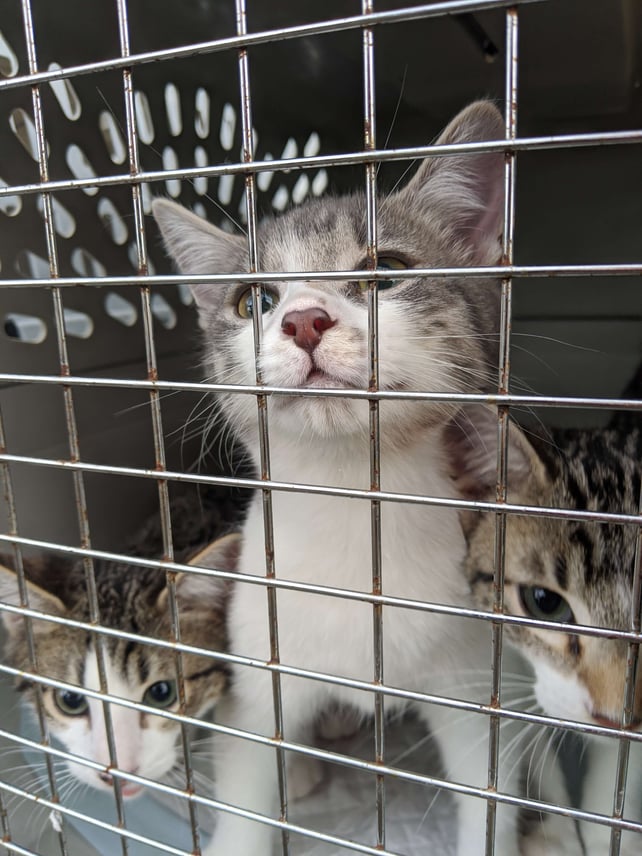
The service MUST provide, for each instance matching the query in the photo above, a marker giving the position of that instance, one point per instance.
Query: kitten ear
(470, 440)
(39, 598)
(197, 591)
(465, 192)
(198, 247)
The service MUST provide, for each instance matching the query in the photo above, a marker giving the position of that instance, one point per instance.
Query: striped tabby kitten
(570, 572)
(132, 599)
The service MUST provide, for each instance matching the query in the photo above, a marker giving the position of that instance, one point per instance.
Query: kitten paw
(339, 722)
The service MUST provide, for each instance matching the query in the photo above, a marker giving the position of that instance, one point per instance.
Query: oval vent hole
(132, 255)
(280, 198)
(300, 189)
(85, 264)
(202, 113)
(112, 221)
(173, 108)
(8, 59)
(65, 95)
(185, 294)
(228, 127)
(25, 328)
(264, 179)
(9, 205)
(144, 122)
(111, 137)
(170, 161)
(200, 159)
(31, 265)
(120, 309)
(77, 324)
(163, 312)
(225, 189)
(80, 167)
(64, 222)
(320, 182)
(23, 127)
(312, 146)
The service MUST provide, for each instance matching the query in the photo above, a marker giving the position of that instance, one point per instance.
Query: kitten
(566, 571)
(435, 335)
(135, 600)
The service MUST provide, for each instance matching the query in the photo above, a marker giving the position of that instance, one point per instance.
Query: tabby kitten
(565, 571)
(434, 334)
(133, 599)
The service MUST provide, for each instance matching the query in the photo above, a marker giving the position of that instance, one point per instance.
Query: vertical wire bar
(502, 420)
(628, 706)
(262, 413)
(9, 496)
(70, 415)
(155, 405)
(369, 121)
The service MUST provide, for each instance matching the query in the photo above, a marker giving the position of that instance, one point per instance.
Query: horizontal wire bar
(288, 585)
(499, 399)
(495, 272)
(294, 671)
(560, 141)
(412, 13)
(323, 490)
(330, 757)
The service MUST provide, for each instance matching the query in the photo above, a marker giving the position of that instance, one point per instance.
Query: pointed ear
(465, 192)
(196, 591)
(39, 598)
(198, 247)
(470, 440)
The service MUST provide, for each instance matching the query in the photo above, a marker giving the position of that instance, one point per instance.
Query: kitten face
(434, 335)
(134, 600)
(570, 572)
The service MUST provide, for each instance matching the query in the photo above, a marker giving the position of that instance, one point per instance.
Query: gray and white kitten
(132, 599)
(435, 335)
(565, 571)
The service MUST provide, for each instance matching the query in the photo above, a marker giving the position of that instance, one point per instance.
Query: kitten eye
(245, 306)
(543, 603)
(385, 263)
(70, 703)
(161, 694)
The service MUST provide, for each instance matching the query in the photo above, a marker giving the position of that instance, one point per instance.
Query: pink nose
(307, 326)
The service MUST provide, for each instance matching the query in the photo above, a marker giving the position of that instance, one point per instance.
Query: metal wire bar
(628, 702)
(154, 396)
(630, 405)
(412, 13)
(522, 271)
(338, 159)
(366, 766)
(353, 493)
(262, 415)
(70, 416)
(369, 143)
(506, 317)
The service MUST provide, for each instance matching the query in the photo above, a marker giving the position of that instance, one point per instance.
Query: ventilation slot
(312, 146)
(22, 126)
(9, 205)
(185, 294)
(25, 328)
(264, 179)
(163, 312)
(228, 127)
(300, 189)
(144, 123)
(31, 265)
(173, 109)
(63, 221)
(225, 189)
(200, 159)
(112, 138)
(112, 221)
(320, 182)
(85, 264)
(170, 161)
(77, 324)
(120, 310)
(65, 95)
(280, 198)
(80, 167)
(202, 113)
(8, 59)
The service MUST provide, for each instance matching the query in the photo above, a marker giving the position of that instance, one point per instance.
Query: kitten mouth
(316, 377)
(131, 790)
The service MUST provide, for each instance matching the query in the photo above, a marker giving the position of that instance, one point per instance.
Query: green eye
(70, 703)
(385, 263)
(245, 306)
(546, 604)
(160, 694)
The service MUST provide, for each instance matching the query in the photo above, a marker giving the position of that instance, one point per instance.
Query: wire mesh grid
(42, 278)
